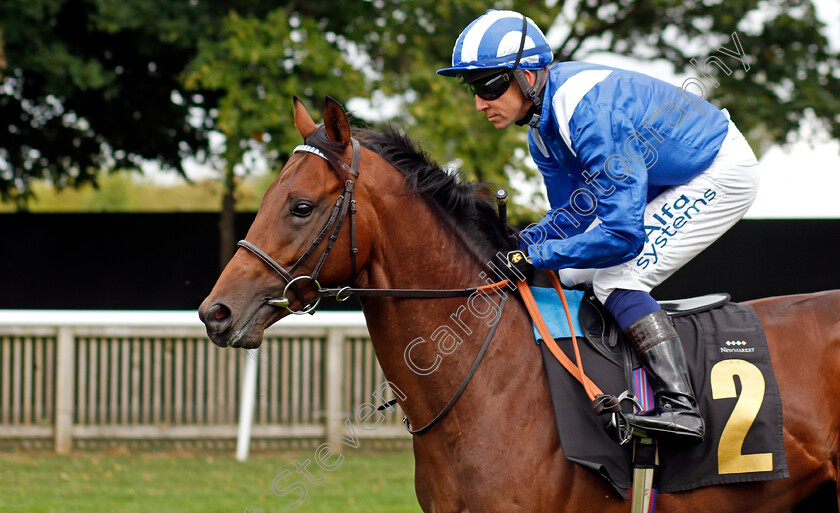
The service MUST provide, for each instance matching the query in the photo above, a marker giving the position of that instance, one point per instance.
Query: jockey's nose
(480, 103)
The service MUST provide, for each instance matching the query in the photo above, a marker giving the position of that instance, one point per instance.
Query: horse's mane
(465, 204)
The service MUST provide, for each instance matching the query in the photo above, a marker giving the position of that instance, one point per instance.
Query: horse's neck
(507, 398)
(444, 335)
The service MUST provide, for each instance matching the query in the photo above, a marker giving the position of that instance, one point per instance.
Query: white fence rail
(76, 375)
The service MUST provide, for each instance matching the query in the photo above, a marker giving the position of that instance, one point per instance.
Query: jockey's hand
(515, 265)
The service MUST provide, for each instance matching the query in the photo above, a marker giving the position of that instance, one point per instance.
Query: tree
(93, 84)
(259, 64)
(106, 83)
(311, 49)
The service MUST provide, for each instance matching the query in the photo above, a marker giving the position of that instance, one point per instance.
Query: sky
(798, 179)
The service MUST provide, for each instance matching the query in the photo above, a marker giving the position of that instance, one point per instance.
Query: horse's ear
(335, 122)
(303, 121)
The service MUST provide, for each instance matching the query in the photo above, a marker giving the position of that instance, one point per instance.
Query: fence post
(64, 386)
(246, 410)
(333, 416)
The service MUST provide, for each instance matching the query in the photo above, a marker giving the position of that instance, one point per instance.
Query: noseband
(344, 204)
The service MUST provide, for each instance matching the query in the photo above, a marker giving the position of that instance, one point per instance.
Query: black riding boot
(676, 416)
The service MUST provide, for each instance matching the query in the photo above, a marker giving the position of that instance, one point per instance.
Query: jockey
(641, 176)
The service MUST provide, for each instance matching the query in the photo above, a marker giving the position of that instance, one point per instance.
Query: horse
(415, 226)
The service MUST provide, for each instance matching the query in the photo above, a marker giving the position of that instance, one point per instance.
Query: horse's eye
(301, 209)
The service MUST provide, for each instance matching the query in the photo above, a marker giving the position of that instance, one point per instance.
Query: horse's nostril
(217, 317)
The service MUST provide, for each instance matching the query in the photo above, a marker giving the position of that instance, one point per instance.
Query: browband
(357, 154)
(309, 149)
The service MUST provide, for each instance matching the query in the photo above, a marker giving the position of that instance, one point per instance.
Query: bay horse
(415, 226)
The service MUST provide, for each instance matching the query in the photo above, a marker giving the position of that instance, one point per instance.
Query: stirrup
(687, 436)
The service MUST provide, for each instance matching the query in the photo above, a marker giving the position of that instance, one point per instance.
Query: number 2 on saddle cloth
(724, 343)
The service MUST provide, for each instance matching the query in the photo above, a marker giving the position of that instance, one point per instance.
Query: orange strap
(589, 387)
(486, 289)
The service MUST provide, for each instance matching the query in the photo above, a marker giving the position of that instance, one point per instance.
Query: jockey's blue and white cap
(492, 41)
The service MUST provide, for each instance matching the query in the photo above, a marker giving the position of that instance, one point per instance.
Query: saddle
(602, 332)
(726, 349)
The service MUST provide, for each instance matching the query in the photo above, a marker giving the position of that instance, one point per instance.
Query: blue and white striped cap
(492, 41)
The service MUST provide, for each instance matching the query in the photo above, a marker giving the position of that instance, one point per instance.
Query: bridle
(346, 205)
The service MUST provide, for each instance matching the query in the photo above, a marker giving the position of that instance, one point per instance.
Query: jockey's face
(509, 107)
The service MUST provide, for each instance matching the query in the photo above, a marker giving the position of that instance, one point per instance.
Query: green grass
(367, 482)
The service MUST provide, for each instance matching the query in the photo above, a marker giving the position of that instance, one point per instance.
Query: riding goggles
(489, 88)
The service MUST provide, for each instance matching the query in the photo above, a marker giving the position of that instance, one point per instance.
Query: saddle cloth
(730, 371)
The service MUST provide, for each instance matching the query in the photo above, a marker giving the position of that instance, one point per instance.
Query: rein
(346, 204)
(463, 385)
